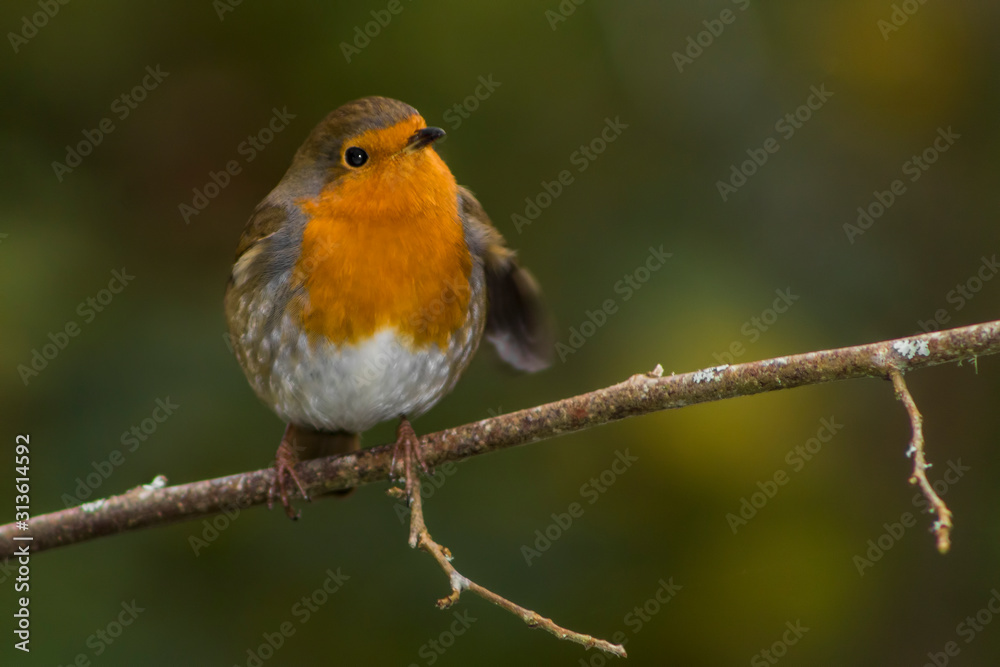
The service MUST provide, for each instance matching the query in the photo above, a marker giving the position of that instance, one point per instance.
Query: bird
(363, 284)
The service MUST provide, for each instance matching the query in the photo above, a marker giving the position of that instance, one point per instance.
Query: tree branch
(155, 504)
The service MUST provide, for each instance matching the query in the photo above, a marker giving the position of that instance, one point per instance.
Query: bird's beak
(424, 137)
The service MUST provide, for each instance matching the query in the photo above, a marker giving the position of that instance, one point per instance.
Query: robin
(364, 282)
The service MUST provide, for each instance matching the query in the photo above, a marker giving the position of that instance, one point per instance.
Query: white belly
(355, 387)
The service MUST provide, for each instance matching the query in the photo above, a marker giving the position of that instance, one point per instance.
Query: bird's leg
(285, 460)
(408, 447)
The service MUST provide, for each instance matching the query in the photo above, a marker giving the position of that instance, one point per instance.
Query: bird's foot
(285, 460)
(408, 451)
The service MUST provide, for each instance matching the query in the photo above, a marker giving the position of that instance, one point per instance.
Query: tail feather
(516, 320)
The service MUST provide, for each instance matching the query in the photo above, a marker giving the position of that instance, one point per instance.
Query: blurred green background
(688, 123)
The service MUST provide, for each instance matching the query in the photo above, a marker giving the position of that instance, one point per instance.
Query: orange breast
(385, 248)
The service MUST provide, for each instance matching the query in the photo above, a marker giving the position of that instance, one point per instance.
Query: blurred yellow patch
(717, 443)
(918, 70)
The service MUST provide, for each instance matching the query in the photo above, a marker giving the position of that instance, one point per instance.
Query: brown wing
(265, 221)
(517, 322)
(264, 259)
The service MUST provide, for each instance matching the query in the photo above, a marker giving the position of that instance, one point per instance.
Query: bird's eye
(356, 156)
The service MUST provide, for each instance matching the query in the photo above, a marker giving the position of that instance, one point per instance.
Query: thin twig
(942, 526)
(640, 394)
(421, 538)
